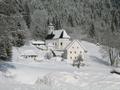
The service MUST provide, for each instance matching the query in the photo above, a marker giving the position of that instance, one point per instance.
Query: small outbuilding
(39, 44)
(29, 54)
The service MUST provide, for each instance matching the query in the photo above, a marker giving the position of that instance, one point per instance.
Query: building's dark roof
(61, 36)
(58, 34)
(50, 36)
(72, 42)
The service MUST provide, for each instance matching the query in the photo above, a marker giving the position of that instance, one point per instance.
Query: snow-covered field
(56, 75)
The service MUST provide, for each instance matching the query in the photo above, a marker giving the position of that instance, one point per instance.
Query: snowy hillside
(55, 75)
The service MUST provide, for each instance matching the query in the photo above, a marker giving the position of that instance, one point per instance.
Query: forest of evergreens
(28, 19)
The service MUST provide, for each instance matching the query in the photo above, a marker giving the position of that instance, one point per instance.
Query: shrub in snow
(45, 80)
(48, 55)
(59, 79)
(18, 38)
(78, 62)
(5, 48)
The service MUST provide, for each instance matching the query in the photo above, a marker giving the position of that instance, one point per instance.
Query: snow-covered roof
(71, 43)
(58, 53)
(50, 45)
(37, 42)
(27, 49)
(58, 34)
(42, 47)
(29, 52)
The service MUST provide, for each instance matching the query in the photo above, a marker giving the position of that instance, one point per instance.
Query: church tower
(50, 28)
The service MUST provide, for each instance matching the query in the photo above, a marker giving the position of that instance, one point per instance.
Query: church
(60, 41)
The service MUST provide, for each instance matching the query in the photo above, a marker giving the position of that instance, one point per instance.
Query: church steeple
(50, 28)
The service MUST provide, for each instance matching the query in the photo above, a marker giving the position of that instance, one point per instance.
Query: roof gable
(71, 43)
(37, 42)
(50, 36)
(58, 34)
(61, 36)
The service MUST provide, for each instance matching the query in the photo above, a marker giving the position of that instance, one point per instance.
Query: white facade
(50, 45)
(39, 44)
(29, 54)
(60, 41)
(58, 44)
(73, 51)
(62, 44)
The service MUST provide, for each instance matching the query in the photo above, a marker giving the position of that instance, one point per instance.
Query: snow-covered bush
(48, 55)
(78, 62)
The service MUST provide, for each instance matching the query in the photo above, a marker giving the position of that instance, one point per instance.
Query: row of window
(74, 47)
(30, 56)
(56, 43)
(37, 44)
(74, 52)
(73, 58)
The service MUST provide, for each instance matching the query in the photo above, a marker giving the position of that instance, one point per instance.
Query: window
(70, 51)
(72, 47)
(61, 43)
(119, 54)
(77, 47)
(25, 56)
(55, 44)
(75, 52)
(80, 52)
(70, 57)
(75, 57)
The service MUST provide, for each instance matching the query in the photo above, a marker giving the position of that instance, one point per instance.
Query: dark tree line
(10, 25)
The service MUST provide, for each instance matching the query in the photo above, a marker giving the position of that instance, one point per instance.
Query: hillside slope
(54, 75)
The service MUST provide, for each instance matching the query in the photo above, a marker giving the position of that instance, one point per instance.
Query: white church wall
(50, 44)
(63, 43)
(58, 44)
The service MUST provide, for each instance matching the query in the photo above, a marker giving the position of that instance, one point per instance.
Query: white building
(39, 44)
(29, 54)
(60, 41)
(73, 51)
